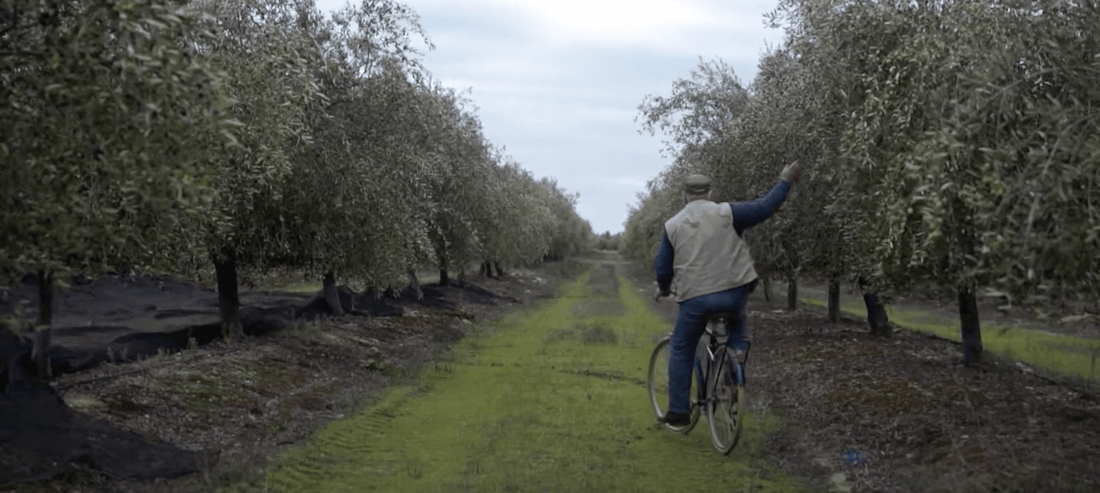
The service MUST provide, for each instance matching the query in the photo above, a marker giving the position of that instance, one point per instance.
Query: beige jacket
(709, 255)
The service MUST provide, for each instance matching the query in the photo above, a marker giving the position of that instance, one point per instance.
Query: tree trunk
(877, 319)
(41, 335)
(45, 298)
(332, 296)
(444, 280)
(792, 293)
(970, 325)
(486, 270)
(768, 295)
(876, 314)
(415, 283)
(40, 353)
(834, 300)
(500, 272)
(229, 302)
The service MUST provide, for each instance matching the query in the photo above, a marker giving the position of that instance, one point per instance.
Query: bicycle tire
(725, 407)
(658, 387)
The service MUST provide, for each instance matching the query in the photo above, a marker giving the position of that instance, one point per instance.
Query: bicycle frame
(717, 336)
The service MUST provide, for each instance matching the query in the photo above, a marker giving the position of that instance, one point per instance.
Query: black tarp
(42, 438)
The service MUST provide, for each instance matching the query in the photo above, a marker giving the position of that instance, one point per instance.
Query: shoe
(676, 419)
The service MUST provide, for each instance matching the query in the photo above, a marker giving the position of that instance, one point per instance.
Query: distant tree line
(949, 143)
(608, 241)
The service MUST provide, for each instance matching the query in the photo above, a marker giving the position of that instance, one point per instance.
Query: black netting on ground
(41, 437)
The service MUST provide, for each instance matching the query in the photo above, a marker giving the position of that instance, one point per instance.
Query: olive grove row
(158, 136)
(952, 143)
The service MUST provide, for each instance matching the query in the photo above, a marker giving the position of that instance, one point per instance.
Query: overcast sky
(558, 82)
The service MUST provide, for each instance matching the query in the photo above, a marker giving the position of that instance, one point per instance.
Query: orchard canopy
(949, 144)
(155, 136)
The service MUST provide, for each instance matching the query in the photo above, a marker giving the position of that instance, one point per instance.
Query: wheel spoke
(723, 412)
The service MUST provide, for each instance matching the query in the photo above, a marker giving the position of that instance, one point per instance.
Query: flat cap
(696, 185)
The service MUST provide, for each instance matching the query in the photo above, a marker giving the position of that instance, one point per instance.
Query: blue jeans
(691, 322)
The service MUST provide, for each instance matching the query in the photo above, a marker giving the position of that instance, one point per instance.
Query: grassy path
(1074, 357)
(553, 399)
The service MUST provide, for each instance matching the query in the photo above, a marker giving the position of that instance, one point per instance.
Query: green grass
(303, 287)
(548, 400)
(1068, 356)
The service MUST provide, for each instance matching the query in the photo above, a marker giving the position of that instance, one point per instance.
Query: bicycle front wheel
(725, 407)
(658, 387)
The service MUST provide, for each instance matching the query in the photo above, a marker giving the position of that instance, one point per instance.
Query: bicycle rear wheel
(725, 408)
(658, 387)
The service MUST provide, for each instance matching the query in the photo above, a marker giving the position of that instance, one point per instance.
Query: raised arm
(749, 214)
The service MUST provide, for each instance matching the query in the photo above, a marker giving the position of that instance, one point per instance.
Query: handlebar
(658, 295)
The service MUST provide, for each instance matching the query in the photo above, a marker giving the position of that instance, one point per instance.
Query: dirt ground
(241, 403)
(896, 414)
(902, 414)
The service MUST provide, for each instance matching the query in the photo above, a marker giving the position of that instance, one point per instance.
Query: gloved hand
(792, 172)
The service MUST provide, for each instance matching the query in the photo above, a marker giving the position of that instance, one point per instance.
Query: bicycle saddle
(718, 318)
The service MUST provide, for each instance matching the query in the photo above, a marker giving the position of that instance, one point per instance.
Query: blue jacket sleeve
(749, 214)
(663, 264)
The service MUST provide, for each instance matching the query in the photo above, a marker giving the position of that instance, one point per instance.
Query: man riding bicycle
(703, 252)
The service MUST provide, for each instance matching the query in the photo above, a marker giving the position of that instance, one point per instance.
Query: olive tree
(107, 112)
(1027, 123)
(267, 57)
(461, 162)
(573, 234)
(520, 222)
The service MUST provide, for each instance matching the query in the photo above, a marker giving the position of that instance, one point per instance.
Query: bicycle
(718, 383)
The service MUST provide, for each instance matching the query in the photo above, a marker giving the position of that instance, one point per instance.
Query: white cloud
(653, 25)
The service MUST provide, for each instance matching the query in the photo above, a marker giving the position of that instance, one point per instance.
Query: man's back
(710, 255)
